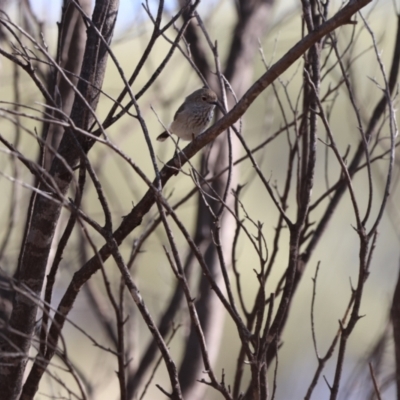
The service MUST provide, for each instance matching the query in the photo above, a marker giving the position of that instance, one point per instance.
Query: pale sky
(50, 10)
(129, 11)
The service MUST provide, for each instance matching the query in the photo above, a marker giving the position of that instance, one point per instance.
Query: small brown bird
(193, 116)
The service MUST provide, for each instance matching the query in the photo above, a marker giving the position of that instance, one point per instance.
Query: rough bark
(71, 49)
(45, 212)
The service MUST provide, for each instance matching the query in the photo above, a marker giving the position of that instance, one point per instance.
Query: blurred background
(337, 253)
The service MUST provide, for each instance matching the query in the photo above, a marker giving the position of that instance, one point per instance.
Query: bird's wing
(180, 109)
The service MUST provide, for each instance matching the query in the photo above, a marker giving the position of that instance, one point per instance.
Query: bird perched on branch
(193, 116)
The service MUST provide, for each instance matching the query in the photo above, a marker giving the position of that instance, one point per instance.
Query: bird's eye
(204, 98)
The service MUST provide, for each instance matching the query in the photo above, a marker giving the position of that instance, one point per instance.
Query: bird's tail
(163, 136)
